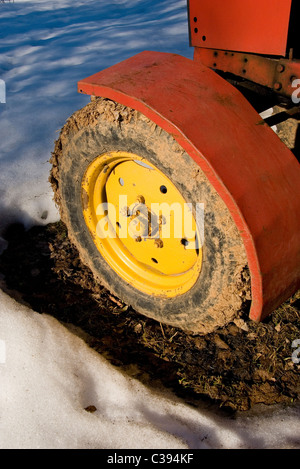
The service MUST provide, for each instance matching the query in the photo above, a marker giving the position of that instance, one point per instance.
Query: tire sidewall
(194, 309)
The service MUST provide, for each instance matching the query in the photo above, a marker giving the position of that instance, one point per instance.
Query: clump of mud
(235, 367)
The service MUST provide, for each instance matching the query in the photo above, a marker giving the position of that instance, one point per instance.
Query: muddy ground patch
(236, 367)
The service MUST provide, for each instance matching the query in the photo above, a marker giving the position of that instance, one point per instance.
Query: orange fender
(256, 175)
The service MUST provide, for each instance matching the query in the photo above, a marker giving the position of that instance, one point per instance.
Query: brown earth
(235, 368)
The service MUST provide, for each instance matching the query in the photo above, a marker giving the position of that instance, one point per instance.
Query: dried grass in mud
(236, 367)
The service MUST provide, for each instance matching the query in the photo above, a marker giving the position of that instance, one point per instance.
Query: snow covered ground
(48, 376)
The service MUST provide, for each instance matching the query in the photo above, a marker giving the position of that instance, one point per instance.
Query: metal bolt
(138, 239)
(280, 68)
(140, 199)
(158, 243)
(161, 220)
(277, 86)
(125, 212)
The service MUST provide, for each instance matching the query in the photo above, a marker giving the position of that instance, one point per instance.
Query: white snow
(48, 375)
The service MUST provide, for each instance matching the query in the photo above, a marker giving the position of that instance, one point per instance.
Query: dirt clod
(235, 367)
(91, 409)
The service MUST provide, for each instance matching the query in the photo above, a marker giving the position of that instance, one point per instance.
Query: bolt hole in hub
(141, 224)
(184, 242)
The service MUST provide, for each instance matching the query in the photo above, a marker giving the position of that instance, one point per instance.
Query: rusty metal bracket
(280, 75)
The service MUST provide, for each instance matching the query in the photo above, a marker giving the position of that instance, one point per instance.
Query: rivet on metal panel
(277, 86)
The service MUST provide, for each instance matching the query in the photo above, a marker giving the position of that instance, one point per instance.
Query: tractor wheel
(146, 221)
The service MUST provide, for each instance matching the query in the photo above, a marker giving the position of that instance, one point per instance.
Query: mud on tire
(222, 291)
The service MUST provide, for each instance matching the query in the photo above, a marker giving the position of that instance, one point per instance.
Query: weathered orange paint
(256, 26)
(252, 170)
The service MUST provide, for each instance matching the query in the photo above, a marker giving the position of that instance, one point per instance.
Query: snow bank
(46, 47)
(50, 376)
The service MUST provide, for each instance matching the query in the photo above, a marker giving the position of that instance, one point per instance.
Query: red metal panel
(251, 169)
(257, 26)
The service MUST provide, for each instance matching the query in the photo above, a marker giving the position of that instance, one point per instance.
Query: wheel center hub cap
(141, 224)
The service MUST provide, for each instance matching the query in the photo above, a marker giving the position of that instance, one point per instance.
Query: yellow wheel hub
(141, 224)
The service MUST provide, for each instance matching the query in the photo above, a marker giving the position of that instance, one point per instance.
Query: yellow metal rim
(141, 224)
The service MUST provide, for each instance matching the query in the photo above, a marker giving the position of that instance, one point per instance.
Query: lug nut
(158, 243)
(140, 199)
(125, 212)
(161, 220)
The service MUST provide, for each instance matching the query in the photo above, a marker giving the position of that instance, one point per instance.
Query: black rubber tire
(222, 291)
